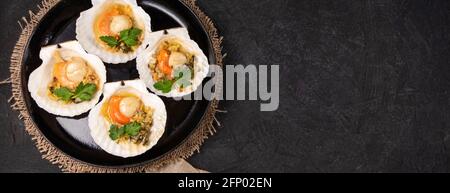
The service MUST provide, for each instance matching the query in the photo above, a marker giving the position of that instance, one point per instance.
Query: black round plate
(71, 135)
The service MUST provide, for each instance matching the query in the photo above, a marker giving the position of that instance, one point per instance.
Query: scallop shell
(201, 65)
(99, 126)
(85, 33)
(41, 77)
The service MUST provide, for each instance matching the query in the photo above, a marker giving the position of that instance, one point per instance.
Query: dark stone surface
(364, 87)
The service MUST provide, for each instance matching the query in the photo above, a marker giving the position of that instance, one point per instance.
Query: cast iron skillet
(71, 135)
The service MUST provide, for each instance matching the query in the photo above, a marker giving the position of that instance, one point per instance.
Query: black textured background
(364, 87)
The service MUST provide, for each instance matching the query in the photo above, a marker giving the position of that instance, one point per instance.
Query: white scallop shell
(201, 65)
(85, 33)
(41, 77)
(99, 126)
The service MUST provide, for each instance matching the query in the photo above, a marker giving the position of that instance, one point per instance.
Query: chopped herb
(111, 41)
(83, 92)
(130, 129)
(165, 85)
(63, 93)
(115, 132)
(127, 39)
(130, 36)
(135, 32)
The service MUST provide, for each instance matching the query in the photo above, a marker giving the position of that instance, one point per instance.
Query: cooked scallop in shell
(69, 81)
(129, 120)
(173, 65)
(114, 30)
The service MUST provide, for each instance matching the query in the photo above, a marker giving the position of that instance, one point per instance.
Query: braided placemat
(69, 164)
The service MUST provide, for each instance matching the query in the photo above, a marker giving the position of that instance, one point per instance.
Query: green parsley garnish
(111, 41)
(165, 85)
(127, 39)
(130, 36)
(63, 93)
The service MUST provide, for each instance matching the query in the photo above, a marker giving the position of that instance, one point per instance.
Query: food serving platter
(70, 135)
